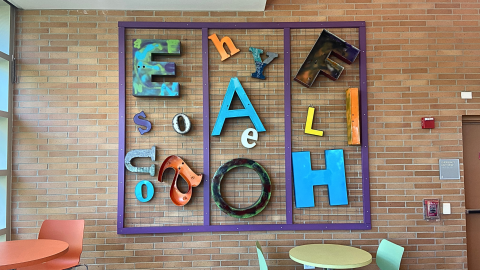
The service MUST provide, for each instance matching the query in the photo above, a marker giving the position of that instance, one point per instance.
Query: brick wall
(421, 54)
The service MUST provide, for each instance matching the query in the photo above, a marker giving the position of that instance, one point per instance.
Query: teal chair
(261, 259)
(389, 255)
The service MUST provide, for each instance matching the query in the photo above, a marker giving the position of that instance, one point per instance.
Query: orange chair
(70, 231)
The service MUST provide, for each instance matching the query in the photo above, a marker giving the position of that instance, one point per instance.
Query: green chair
(389, 255)
(261, 259)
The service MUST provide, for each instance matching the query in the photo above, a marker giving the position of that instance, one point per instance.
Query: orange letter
(192, 179)
(353, 117)
(219, 45)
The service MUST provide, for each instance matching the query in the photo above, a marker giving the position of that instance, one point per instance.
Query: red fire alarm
(428, 122)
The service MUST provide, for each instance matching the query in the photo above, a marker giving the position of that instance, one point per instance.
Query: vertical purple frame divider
(288, 126)
(364, 122)
(121, 130)
(206, 129)
(206, 227)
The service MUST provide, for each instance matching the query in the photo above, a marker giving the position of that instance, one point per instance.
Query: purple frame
(206, 227)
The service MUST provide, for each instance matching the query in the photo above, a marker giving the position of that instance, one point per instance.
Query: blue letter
(138, 191)
(333, 176)
(235, 86)
(142, 122)
(259, 65)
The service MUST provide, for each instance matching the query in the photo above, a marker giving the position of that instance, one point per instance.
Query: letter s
(142, 122)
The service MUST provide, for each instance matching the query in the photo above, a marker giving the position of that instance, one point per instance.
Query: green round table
(330, 256)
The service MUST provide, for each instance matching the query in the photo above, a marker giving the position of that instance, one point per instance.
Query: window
(6, 65)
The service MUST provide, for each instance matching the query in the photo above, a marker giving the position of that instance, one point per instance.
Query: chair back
(70, 231)
(261, 259)
(389, 255)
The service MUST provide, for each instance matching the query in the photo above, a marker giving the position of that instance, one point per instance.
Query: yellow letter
(308, 125)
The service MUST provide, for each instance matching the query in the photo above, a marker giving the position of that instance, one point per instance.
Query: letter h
(219, 45)
(304, 178)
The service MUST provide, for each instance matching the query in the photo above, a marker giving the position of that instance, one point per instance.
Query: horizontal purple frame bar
(241, 25)
(366, 225)
(241, 228)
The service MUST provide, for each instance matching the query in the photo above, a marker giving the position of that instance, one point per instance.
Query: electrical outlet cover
(466, 95)
(446, 209)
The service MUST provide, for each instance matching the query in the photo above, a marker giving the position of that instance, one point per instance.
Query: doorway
(471, 167)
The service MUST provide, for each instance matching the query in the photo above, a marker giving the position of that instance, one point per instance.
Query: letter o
(139, 193)
(176, 126)
(255, 208)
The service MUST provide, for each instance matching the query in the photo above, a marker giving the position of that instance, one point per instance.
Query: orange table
(21, 253)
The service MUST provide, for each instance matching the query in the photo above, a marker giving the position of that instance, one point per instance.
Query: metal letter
(246, 135)
(139, 193)
(181, 168)
(259, 65)
(219, 45)
(253, 209)
(176, 126)
(304, 178)
(138, 154)
(144, 67)
(270, 57)
(248, 111)
(309, 123)
(142, 122)
(353, 117)
(318, 59)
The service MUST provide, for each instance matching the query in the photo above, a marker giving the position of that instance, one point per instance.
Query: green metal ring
(255, 208)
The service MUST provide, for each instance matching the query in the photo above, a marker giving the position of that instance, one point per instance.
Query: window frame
(9, 116)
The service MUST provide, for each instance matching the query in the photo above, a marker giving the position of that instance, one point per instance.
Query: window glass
(3, 142)
(4, 28)
(3, 202)
(5, 117)
(4, 82)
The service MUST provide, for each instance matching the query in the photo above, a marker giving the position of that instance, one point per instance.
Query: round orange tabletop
(21, 253)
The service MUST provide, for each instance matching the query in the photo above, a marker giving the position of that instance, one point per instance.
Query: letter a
(219, 45)
(248, 111)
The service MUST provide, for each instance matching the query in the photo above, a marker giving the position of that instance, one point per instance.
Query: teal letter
(138, 191)
(304, 178)
(144, 68)
(235, 86)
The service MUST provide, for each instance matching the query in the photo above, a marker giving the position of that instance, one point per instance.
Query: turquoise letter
(235, 86)
(333, 176)
(138, 191)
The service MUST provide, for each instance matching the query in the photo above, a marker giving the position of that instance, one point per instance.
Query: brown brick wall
(421, 54)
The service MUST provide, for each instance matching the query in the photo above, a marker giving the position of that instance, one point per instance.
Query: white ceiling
(205, 5)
